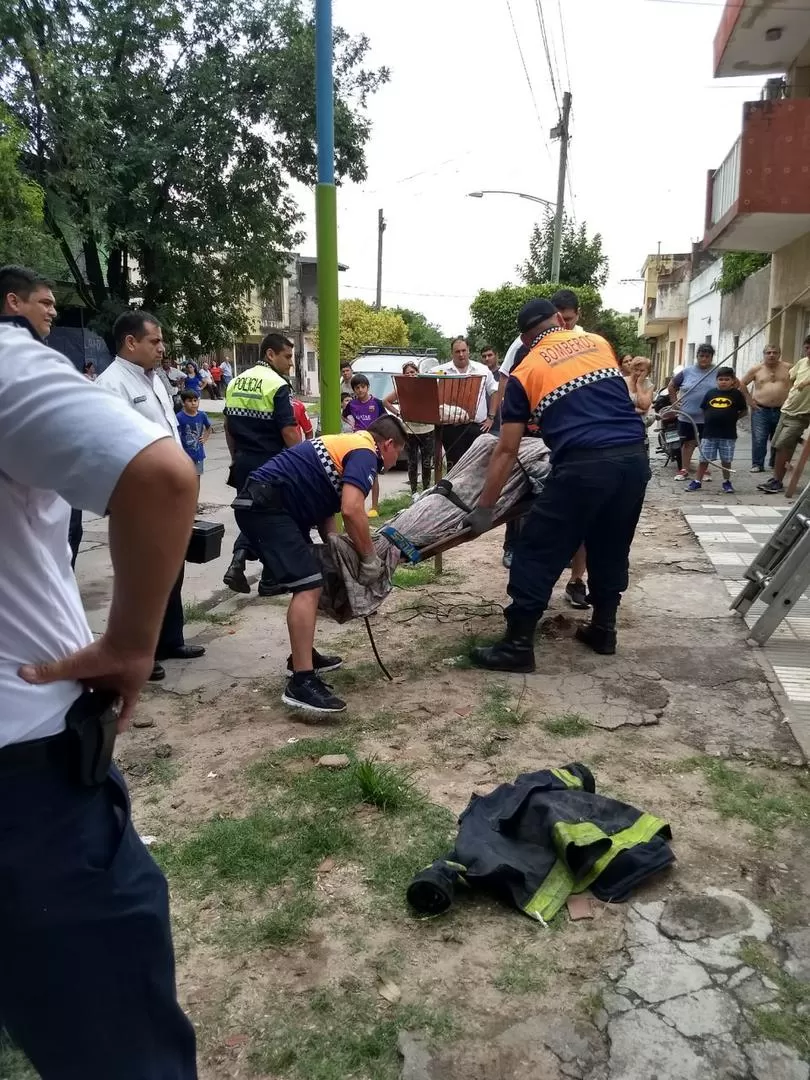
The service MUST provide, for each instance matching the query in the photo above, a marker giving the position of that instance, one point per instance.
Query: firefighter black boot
(234, 576)
(514, 653)
(600, 633)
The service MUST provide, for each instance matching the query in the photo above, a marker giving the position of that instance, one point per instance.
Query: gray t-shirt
(694, 384)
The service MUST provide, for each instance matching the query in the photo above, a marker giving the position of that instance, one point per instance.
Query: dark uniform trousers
(171, 629)
(593, 497)
(87, 986)
(243, 466)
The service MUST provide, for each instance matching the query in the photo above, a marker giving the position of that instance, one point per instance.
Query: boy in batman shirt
(722, 408)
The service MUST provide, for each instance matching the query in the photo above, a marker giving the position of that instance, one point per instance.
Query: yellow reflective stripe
(568, 778)
(560, 883)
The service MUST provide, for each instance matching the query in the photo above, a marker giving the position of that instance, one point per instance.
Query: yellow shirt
(797, 402)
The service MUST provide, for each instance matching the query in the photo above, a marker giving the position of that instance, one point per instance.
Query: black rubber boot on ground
(514, 653)
(600, 633)
(234, 576)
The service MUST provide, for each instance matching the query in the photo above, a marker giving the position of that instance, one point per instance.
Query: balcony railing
(726, 184)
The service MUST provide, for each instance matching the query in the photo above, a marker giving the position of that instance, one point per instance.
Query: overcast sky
(457, 115)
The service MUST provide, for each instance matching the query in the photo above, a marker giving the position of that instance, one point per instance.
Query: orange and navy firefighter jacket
(570, 386)
(311, 475)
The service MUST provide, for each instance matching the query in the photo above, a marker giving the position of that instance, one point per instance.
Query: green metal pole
(326, 223)
(328, 314)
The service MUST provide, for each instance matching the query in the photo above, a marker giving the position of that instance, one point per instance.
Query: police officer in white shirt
(86, 964)
(138, 341)
(458, 438)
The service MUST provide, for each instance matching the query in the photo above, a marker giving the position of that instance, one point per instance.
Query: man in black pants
(571, 387)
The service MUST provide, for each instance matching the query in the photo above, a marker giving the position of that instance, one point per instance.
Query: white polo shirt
(63, 442)
(143, 390)
(487, 387)
(509, 359)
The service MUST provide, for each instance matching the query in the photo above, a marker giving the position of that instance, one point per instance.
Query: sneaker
(757, 468)
(771, 487)
(681, 474)
(373, 513)
(694, 485)
(577, 595)
(320, 663)
(507, 560)
(728, 487)
(312, 695)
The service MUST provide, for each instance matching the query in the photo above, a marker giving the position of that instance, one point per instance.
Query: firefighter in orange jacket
(571, 386)
(296, 491)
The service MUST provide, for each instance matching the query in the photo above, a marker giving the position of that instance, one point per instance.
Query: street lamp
(520, 195)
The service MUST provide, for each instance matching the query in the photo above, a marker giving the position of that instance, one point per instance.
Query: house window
(707, 340)
(310, 360)
(691, 352)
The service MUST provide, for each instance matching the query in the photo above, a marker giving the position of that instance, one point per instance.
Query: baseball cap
(536, 311)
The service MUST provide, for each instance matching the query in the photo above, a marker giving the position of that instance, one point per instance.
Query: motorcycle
(669, 439)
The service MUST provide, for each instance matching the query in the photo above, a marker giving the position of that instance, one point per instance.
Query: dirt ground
(297, 954)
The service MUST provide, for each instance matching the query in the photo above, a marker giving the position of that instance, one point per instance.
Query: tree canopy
(164, 134)
(362, 325)
(422, 334)
(621, 331)
(494, 312)
(24, 240)
(582, 261)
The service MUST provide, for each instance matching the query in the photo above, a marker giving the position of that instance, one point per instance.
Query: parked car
(380, 363)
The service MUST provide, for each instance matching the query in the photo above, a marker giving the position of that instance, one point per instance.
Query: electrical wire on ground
(462, 607)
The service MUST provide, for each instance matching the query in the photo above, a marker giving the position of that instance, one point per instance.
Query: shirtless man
(771, 381)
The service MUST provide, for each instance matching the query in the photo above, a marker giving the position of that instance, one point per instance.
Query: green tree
(362, 325)
(165, 134)
(24, 240)
(582, 261)
(422, 334)
(621, 331)
(494, 312)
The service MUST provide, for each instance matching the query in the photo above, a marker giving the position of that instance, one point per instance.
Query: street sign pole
(326, 223)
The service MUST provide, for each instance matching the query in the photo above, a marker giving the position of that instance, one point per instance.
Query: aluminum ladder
(781, 571)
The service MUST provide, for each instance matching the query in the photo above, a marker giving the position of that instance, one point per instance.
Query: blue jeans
(763, 425)
(591, 497)
(86, 964)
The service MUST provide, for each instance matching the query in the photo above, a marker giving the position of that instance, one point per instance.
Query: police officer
(299, 490)
(87, 971)
(259, 423)
(571, 386)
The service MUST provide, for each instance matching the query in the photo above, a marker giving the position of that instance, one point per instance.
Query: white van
(379, 363)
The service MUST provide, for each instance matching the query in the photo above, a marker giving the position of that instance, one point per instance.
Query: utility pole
(560, 132)
(380, 231)
(326, 223)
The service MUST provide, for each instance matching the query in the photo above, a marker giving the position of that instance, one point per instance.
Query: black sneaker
(312, 695)
(771, 487)
(320, 663)
(577, 594)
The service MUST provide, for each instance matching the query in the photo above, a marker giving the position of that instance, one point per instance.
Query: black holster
(92, 723)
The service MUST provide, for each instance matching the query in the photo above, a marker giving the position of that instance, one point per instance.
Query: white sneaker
(681, 475)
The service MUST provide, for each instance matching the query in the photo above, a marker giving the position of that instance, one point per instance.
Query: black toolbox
(205, 544)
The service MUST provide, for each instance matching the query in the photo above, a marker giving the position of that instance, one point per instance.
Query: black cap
(536, 311)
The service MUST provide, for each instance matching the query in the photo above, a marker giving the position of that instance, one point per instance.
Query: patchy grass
(747, 798)
(522, 972)
(162, 771)
(340, 1033)
(567, 726)
(14, 1064)
(391, 506)
(786, 1023)
(412, 577)
(386, 786)
(498, 708)
(268, 859)
(195, 612)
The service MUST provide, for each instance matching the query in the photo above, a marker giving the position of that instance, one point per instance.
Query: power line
(401, 292)
(541, 18)
(564, 44)
(525, 69)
